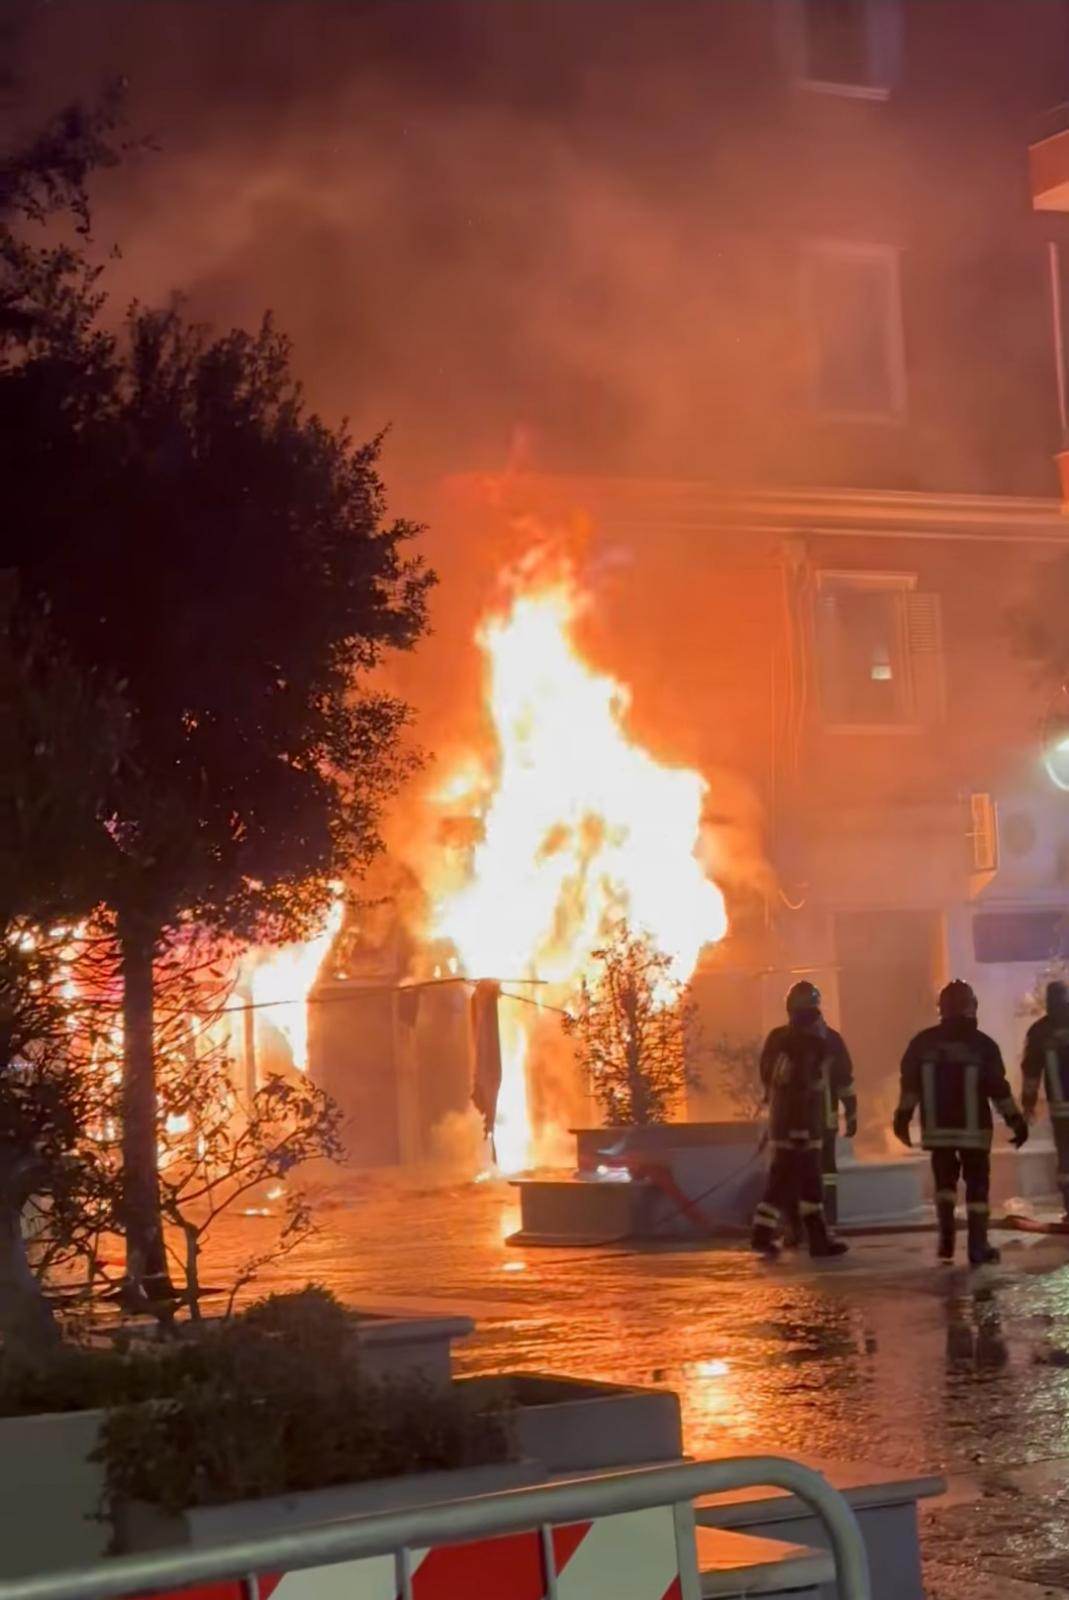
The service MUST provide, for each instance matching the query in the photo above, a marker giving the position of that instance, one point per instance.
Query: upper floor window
(853, 311)
(846, 47)
(879, 646)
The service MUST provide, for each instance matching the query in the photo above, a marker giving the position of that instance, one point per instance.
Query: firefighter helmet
(804, 996)
(1057, 996)
(957, 1000)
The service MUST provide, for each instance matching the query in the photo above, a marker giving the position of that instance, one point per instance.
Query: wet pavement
(882, 1357)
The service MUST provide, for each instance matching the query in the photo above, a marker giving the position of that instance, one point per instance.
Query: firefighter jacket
(807, 1075)
(954, 1073)
(1046, 1061)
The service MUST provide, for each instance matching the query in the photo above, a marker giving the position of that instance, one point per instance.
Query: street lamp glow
(1056, 762)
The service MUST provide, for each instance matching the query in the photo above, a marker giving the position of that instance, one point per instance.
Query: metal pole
(452, 1522)
(1054, 259)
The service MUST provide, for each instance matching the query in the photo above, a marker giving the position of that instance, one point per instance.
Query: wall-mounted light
(1056, 761)
(1055, 739)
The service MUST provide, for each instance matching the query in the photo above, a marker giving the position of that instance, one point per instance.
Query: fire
(581, 829)
(281, 979)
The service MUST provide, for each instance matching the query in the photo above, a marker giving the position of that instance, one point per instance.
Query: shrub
(273, 1403)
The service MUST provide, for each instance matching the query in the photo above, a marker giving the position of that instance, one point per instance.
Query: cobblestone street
(882, 1357)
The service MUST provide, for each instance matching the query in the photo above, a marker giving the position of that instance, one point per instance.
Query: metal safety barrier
(398, 1533)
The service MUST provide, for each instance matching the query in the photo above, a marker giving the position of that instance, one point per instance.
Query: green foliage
(310, 1319)
(79, 1379)
(735, 1072)
(193, 531)
(634, 1031)
(62, 734)
(275, 1403)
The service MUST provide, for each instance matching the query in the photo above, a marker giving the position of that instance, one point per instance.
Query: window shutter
(983, 834)
(924, 641)
(829, 656)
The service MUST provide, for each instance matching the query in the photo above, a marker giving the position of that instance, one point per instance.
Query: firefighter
(1046, 1059)
(799, 1062)
(955, 1073)
(837, 1075)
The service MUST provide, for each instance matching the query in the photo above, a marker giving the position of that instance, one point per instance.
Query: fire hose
(660, 1177)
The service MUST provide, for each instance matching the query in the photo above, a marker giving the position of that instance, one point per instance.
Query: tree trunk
(147, 1277)
(29, 1329)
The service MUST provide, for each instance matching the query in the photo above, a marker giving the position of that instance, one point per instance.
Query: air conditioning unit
(1023, 842)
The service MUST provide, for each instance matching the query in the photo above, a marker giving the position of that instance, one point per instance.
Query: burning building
(829, 484)
(751, 299)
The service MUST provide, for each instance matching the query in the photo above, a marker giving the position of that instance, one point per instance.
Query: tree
(735, 1063)
(217, 1145)
(634, 1029)
(61, 736)
(225, 554)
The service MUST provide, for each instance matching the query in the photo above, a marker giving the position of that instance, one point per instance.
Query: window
(1020, 936)
(853, 313)
(846, 47)
(879, 647)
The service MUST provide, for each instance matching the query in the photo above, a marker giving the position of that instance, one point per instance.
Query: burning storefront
(534, 844)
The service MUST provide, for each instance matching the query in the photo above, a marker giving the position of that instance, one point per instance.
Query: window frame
(888, 257)
(895, 583)
(880, 54)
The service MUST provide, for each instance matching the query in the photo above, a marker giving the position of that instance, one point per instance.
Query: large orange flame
(280, 980)
(580, 828)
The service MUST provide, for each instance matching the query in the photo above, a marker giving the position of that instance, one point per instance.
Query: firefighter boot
(980, 1252)
(821, 1242)
(1063, 1187)
(763, 1236)
(944, 1207)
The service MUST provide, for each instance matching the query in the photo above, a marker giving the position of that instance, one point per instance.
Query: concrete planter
(408, 1347)
(571, 1425)
(144, 1527)
(1028, 1174)
(52, 1495)
(50, 1492)
(700, 1178)
(874, 1193)
(387, 1345)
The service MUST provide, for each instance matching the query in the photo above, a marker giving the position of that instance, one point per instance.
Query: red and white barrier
(637, 1555)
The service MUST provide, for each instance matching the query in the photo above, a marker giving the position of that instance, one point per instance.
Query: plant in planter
(262, 1419)
(263, 1406)
(634, 1027)
(734, 1063)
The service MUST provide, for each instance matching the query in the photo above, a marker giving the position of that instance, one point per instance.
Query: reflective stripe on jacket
(954, 1074)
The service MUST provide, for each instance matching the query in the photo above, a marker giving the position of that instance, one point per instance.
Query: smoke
(534, 240)
(520, 236)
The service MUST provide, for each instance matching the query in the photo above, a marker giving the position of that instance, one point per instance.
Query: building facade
(827, 526)
(757, 292)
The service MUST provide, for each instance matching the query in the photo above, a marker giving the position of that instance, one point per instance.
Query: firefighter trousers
(794, 1184)
(975, 1167)
(829, 1173)
(830, 1176)
(972, 1165)
(1060, 1125)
